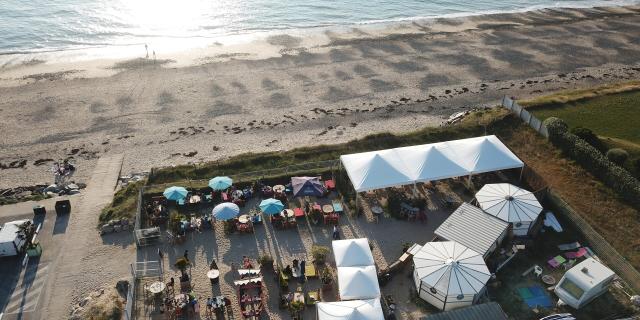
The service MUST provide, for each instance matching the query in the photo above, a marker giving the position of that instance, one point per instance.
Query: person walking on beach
(146, 49)
(154, 57)
(336, 235)
(186, 255)
(302, 266)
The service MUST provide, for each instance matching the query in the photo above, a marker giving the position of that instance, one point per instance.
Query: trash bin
(63, 207)
(37, 210)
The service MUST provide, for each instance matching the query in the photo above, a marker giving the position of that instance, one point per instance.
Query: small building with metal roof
(473, 228)
(485, 311)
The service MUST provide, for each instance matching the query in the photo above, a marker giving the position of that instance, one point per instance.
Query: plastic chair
(537, 270)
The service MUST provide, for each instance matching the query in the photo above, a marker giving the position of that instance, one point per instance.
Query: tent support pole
(415, 189)
(357, 196)
(521, 172)
(469, 182)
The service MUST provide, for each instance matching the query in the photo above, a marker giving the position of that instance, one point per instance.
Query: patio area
(388, 238)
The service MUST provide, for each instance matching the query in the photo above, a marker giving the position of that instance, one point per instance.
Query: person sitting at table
(246, 263)
(287, 270)
(209, 304)
(295, 264)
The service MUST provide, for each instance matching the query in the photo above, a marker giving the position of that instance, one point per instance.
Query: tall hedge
(594, 161)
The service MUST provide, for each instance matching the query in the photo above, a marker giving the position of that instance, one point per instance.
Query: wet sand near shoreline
(297, 94)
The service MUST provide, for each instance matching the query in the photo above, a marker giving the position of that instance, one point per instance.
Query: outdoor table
(376, 209)
(213, 275)
(288, 213)
(327, 208)
(194, 199)
(156, 287)
(279, 188)
(237, 194)
(244, 218)
(218, 302)
(181, 300)
(548, 279)
(298, 296)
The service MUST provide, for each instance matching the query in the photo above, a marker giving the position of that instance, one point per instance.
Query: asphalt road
(21, 288)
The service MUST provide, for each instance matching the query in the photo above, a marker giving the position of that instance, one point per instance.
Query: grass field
(614, 115)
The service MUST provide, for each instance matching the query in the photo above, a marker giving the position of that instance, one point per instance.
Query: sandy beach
(288, 90)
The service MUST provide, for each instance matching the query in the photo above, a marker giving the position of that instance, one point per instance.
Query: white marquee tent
(408, 165)
(352, 252)
(449, 275)
(358, 283)
(350, 310)
(511, 204)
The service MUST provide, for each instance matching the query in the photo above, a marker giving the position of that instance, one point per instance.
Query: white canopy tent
(409, 165)
(430, 162)
(350, 310)
(511, 204)
(358, 283)
(449, 275)
(352, 252)
(375, 170)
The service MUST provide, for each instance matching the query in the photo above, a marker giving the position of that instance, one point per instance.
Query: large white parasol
(508, 202)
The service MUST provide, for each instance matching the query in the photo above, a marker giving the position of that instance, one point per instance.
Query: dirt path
(87, 261)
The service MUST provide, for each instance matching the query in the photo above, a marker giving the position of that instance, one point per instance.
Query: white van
(12, 239)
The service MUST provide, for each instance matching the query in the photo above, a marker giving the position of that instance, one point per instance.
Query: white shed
(449, 275)
(473, 228)
(584, 282)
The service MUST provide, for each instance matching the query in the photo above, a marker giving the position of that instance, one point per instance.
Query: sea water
(63, 25)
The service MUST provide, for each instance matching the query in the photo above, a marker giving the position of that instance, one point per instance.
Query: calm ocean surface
(56, 25)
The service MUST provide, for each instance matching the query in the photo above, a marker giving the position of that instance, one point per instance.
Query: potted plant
(266, 262)
(327, 279)
(295, 307)
(182, 264)
(319, 254)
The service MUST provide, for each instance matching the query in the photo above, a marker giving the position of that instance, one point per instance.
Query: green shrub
(618, 156)
(555, 126)
(590, 137)
(319, 253)
(614, 176)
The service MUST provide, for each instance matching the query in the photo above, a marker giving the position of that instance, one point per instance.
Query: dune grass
(613, 115)
(569, 96)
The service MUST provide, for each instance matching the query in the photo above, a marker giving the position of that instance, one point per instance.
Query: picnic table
(278, 188)
(327, 208)
(337, 206)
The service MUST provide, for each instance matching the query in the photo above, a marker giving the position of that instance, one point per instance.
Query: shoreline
(304, 92)
(102, 61)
